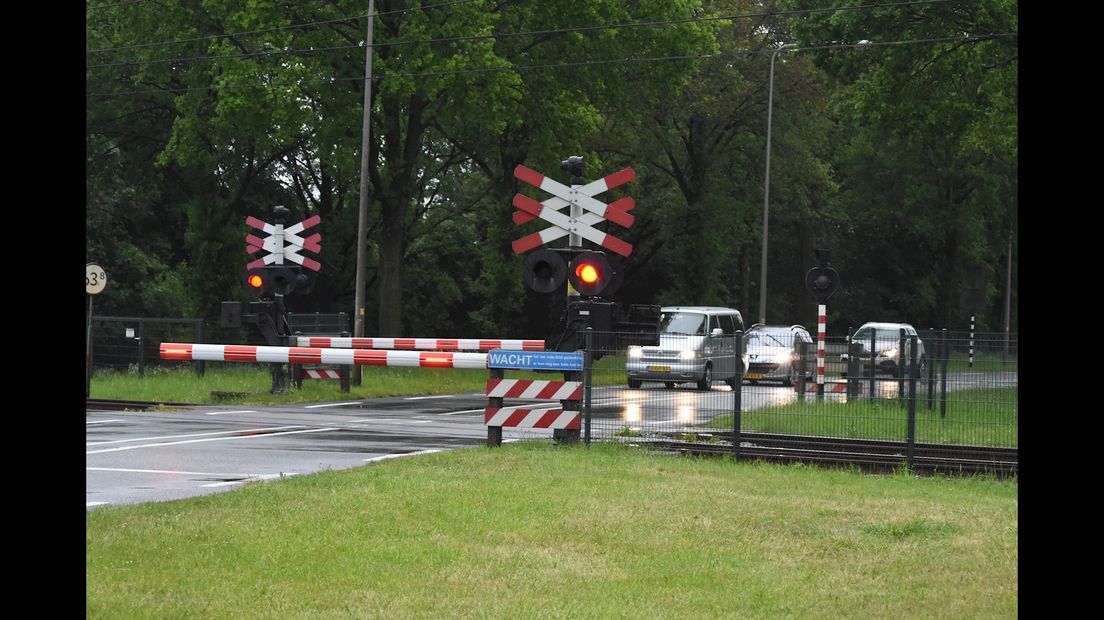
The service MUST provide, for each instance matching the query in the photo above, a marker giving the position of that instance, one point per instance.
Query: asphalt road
(134, 457)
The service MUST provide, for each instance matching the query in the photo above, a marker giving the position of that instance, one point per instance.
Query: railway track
(101, 404)
(867, 454)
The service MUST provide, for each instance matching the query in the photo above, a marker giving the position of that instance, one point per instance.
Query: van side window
(728, 322)
(714, 323)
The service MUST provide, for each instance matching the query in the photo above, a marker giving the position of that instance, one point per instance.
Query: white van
(696, 343)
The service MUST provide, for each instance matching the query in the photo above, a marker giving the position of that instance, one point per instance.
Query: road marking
(182, 473)
(174, 443)
(250, 479)
(426, 397)
(385, 420)
(226, 412)
(354, 402)
(248, 430)
(464, 411)
(395, 456)
(101, 421)
(91, 504)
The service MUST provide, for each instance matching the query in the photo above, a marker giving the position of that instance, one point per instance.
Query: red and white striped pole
(432, 344)
(822, 319)
(314, 355)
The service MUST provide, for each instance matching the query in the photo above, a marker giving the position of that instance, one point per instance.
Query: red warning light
(255, 280)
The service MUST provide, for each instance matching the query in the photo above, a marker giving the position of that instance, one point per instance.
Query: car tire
(706, 382)
(635, 383)
(790, 380)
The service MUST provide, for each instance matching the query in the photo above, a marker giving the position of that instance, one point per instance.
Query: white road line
(399, 422)
(101, 421)
(250, 479)
(174, 443)
(464, 411)
(248, 430)
(427, 397)
(226, 412)
(180, 473)
(91, 504)
(354, 402)
(396, 456)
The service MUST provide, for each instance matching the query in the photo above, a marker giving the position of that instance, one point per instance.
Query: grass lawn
(539, 530)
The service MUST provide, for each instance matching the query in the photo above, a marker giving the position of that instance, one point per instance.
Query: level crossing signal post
(588, 274)
(822, 281)
(270, 279)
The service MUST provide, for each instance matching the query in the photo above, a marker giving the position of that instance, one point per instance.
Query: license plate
(659, 368)
(753, 375)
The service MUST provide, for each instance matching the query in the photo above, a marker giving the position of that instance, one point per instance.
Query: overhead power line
(268, 30)
(629, 60)
(500, 35)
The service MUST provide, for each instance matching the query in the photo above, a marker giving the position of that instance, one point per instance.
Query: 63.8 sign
(95, 279)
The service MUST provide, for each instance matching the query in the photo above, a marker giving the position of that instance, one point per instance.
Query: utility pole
(362, 218)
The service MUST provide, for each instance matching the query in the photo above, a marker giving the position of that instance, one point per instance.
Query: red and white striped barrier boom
(530, 416)
(430, 344)
(314, 355)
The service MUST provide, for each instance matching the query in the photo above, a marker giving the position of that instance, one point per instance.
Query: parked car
(773, 352)
(888, 353)
(696, 343)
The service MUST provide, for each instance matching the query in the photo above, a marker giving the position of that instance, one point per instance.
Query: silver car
(773, 352)
(888, 352)
(696, 344)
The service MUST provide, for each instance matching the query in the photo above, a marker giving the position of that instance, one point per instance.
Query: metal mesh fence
(879, 390)
(132, 344)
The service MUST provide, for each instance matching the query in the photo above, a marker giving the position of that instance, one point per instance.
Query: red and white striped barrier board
(521, 417)
(429, 344)
(525, 388)
(307, 355)
(321, 374)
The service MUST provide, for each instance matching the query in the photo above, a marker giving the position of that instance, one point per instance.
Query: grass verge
(539, 530)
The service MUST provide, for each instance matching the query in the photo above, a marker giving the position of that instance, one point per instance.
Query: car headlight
(688, 355)
(889, 353)
(635, 351)
(782, 358)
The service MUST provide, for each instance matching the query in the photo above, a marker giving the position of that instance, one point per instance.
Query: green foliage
(902, 159)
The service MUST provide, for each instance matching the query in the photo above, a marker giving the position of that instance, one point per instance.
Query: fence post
(494, 433)
(931, 369)
(737, 394)
(141, 351)
(347, 369)
(802, 351)
(854, 367)
(913, 375)
(901, 367)
(201, 366)
(873, 344)
(588, 356)
(943, 387)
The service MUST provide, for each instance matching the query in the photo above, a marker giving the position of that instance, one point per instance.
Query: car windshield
(881, 334)
(767, 339)
(683, 323)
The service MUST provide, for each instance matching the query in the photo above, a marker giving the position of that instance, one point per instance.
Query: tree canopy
(898, 154)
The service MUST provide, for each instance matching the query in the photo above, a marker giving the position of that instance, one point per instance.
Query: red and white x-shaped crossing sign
(594, 210)
(284, 243)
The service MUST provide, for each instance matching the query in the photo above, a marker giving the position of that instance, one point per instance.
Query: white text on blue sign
(535, 360)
